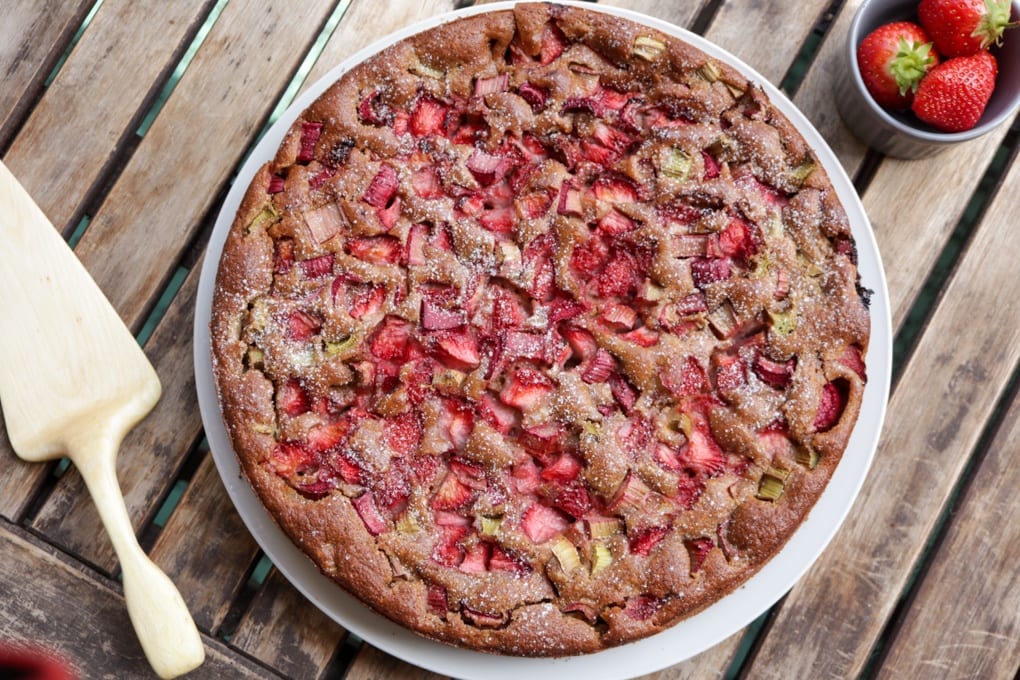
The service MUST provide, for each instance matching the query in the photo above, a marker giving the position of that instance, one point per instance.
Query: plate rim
(687, 637)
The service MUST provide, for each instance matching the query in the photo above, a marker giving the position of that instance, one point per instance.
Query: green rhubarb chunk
(406, 524)
(266, 218)
(677, 163)
(566, 553)
(770, 488)
(647, 48)
(803, 171)
(341, 346)
(783, 323)
(709, 71)
(422, 69)
(601, 558)
(491, 525)
(604, 527)
(807, 457)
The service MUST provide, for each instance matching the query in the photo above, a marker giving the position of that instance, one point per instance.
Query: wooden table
(126, 119)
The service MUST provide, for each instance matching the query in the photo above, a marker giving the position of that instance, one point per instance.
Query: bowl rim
(941, 138)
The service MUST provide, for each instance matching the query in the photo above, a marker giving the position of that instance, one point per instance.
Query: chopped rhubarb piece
(318, 266)
(566, 554)
(323, 222)
(320, 178)
(414, 249)
(481, 619)
(488, 168)
(641, 607)
(573, 500)
(435, 317)
(428, 117)
(542, 523)
(852, 359)
(310, 133)
(701, 453)
(292, 398)
(457, 348)
(553, 44)
(698, 549)
(436, 599)
(598, 154)
(391, 339)
(695, 303)
(835, 394)
(773, 373)
(452, 494)
(642, 336)
(534, 95)
(603, 527)
(642, 542)
(542, 441)
(707, 270)
(301, 325)
(590, 105)
(382, 188)
(711, 166)
(581, 341)
(570, 200)
(276, 185)
(691, 245)
(369, 513)
(615, 190)
(620, 276)
(631, 493)
(615, 223)
(375, 249)
(564, 308)
(598, 368)
(523, 345)
(563, 470)
(525, 477)
(623, 392)
(283, 255)
(619, 316)
(476, 559)
(484, 86)
(497, 414)
(772, 484)
(502, 560)
(667, 457)
(526, 388)
(611, 138)
(585, 610)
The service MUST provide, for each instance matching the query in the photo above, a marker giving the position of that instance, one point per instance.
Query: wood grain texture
(129, 48)
(206, 548)
(815, 96)
(679, 13)
(33, 36)
(196, 142)
(831, 620)
(384, 18)
(372, 664)
(152, 452)
(712, 663)
(282, 629)
(19, 481)
(70, 612)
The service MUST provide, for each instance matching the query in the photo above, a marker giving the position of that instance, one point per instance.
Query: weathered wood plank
(83, 619)
(205, 548)
(33, 37)
(679, 13)
(285, 631)
(383, 18)
(152, 452)
(372, 664)
(970, 587)
(815, 96)
(19, 480)
(831, 620)
(199, 137)
(711, 663)
(128, 48)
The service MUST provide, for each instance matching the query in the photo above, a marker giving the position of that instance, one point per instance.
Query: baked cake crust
(427, 353)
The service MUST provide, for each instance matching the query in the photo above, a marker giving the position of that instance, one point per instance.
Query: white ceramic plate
(685, 639)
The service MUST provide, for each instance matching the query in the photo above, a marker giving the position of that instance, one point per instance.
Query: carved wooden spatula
(73, 381)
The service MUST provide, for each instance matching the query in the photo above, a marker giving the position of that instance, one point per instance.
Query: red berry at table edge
(964, 27)
(893, 59)
(954, 94)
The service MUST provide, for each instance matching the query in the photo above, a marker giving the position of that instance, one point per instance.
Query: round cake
(541, 332)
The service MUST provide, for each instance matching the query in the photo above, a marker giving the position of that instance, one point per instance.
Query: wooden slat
(679, 13)
(284, 631)
(33, 36)
(194, 144)
(128, 48)
(372, 664)
(712, 663)
(68, 611)
(978, 615)
(815, 95)
(383, 18)
(831, 620)
(152, 452)
(205, 548)
(19, 481)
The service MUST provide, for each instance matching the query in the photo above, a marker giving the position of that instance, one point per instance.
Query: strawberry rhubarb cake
(541, 332)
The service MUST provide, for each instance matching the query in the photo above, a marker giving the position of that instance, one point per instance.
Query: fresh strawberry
(534, 95)
(488, 168)
(615, 223)
(374, 112)
(954, 94)
(476, 559)
(402, 433)
(683, 378)
(573, 500)
(553, 44)
(737, 240)
(706, 270)
(534, 205)
(525, 477)
(288, 457)
(414, 249)
(452, 494)
(283, 255)
(581, 341)
(526, 388)
(382, 188)
(598, 368)
(447, 550)
(852, 359)
(570, 200)
(893, 59)
(773, 373)
(391, 339)
(426, 184)
(302, 325)
(457, 348)
(502, 560)
(497, 414)
(523, 345)
(366, 300)
(369, 513)
(318, 266)
(293, 399)
(375, 249)
(642, 336)
(541, 523)
(642, 542)
(964, 27)
(562, 470)
(436, 317)
(623, 392)
(589, 257)
(498, 220)
(428, 117)
(436, 599)
(712, 168)
(620, 276)
(701, 453)
(688, 490)
(615, 189)
(831, 404)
